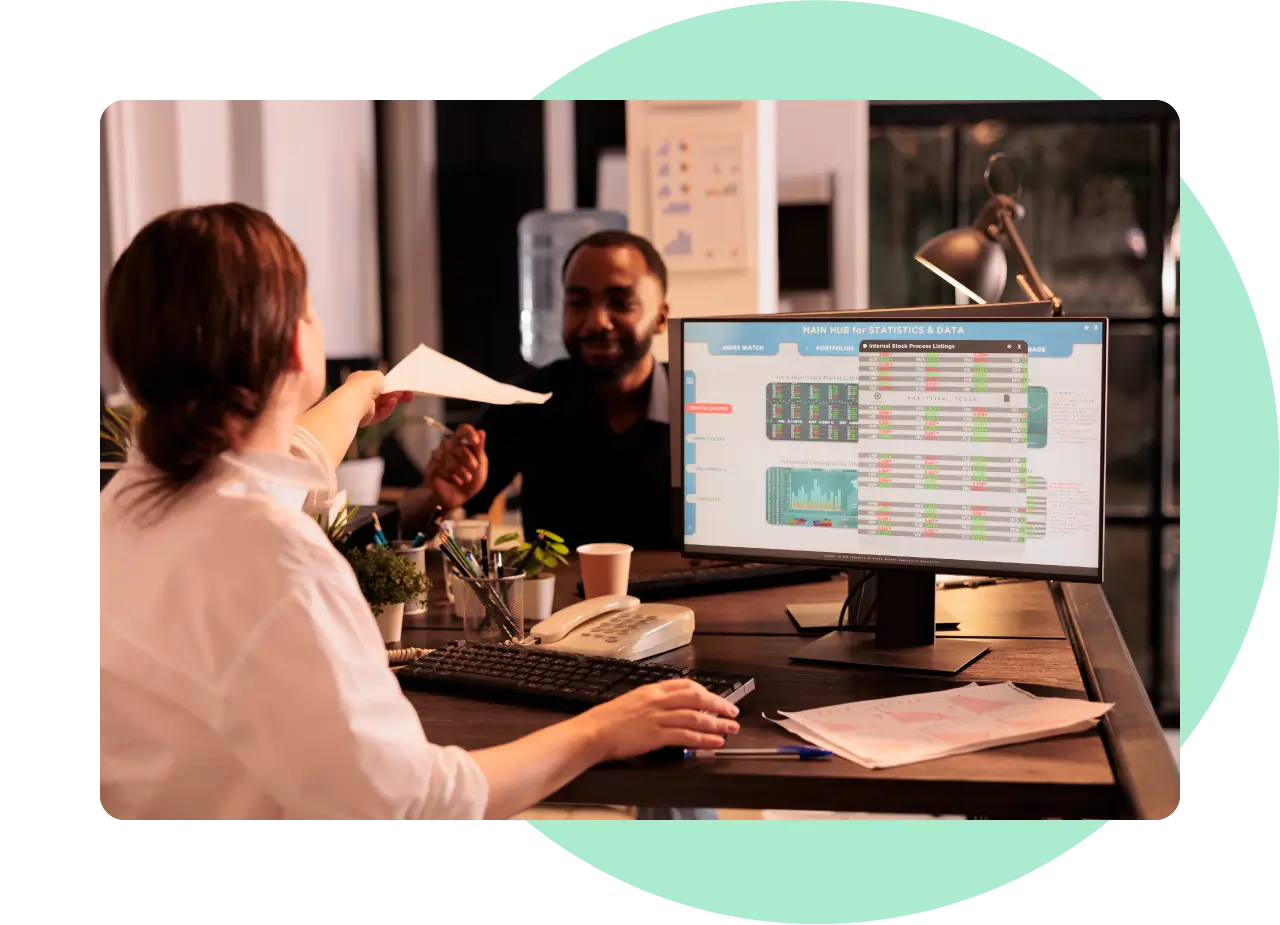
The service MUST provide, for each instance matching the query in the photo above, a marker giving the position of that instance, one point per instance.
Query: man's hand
(458, 468)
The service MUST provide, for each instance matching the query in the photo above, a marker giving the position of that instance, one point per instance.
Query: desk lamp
(972, 260)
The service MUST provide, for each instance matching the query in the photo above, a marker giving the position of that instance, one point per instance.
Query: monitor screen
(955, 445)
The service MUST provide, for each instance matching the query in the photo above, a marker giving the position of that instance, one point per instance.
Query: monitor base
(943, 656)
(812, 618)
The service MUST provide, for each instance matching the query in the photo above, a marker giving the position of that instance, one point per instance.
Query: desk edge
(1140, 755)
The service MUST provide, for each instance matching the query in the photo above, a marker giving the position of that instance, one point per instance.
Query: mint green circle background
(824, 871)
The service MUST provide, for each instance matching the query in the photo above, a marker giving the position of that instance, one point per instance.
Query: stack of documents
(921, 727)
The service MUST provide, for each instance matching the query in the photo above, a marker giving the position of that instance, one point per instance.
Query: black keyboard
(537, 677)
(721, 579)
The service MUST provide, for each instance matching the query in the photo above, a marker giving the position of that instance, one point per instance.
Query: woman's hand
(671, 713)
(370, 384)
(384, 404)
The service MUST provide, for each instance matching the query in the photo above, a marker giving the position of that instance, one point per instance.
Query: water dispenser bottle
(545, 239)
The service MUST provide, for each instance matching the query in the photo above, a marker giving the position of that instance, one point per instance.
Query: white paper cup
(469, 532)
(418, 556)
(606, 568)
(361, 479)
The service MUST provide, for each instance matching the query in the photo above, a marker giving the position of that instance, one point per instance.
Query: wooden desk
(1023, 610)
(1052, 639)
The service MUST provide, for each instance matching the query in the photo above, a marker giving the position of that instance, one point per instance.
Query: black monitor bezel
(862, 562)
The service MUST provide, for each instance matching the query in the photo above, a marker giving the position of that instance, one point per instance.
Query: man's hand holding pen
(458, 468)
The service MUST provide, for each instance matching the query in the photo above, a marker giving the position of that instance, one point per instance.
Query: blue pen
(419, 540)
(801, 752)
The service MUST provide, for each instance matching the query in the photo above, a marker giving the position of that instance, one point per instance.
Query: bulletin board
(697, 202)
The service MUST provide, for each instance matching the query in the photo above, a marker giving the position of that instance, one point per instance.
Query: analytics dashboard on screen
(969, 445)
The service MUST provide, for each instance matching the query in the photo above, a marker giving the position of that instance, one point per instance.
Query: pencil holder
(418, 556)
(492, 608)
(467, 534)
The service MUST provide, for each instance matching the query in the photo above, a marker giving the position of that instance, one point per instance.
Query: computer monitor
(902, 444)
(989, 310)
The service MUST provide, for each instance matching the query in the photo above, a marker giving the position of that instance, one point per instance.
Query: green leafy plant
(338, 528)
(117, 431)
(386, 579)
(545, 552)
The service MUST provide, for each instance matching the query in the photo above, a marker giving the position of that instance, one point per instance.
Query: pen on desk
(800, 752)
(485, 563)
(378, 537)
(419, 540)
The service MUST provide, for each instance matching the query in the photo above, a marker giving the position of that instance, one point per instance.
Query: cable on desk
(398, 657)
(859, 587)
(859, 621)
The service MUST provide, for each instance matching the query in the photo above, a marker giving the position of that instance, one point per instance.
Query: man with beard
(595, 457)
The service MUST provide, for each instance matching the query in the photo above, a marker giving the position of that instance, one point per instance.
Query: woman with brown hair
(243, 675)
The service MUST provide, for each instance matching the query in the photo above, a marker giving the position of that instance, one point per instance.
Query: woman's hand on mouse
(671, 713)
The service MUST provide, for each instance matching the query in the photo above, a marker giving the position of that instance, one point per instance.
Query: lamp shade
(969, 260)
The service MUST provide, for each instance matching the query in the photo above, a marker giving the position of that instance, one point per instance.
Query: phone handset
(562, 622)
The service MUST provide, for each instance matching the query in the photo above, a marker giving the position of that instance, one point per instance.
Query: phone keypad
(613, 628)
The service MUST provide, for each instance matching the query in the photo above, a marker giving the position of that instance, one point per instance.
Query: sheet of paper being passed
(428, 372)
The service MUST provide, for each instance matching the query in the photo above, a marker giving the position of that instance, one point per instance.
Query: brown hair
(201, 313)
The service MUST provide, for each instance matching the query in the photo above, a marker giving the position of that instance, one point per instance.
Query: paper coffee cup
(606, 568)
(471, 531)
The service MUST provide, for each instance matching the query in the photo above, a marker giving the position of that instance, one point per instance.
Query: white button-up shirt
(243, 675)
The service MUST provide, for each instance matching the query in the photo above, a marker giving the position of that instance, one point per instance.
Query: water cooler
(545, 240)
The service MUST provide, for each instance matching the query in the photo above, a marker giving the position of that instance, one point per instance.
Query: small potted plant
(387, 581)
(536, 560)
(336, 522)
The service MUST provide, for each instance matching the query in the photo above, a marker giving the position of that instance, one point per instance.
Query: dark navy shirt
(580, 478)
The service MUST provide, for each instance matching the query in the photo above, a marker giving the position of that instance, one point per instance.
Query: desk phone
(615, 626)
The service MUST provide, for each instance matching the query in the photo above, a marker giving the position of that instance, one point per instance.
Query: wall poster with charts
(697, 202)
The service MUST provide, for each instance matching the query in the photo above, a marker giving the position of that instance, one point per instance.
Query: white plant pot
(361, 479)
(539, 597)
(391, 622)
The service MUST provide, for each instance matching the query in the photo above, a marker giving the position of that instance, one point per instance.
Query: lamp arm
(1038, 284)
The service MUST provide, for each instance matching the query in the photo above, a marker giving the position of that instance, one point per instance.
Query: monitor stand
(904, 635)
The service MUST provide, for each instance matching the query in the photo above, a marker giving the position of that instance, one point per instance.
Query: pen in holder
(492, 608)
(464, 536)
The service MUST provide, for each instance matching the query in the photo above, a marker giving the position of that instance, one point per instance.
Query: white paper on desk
(428, 372)
(920, 727)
